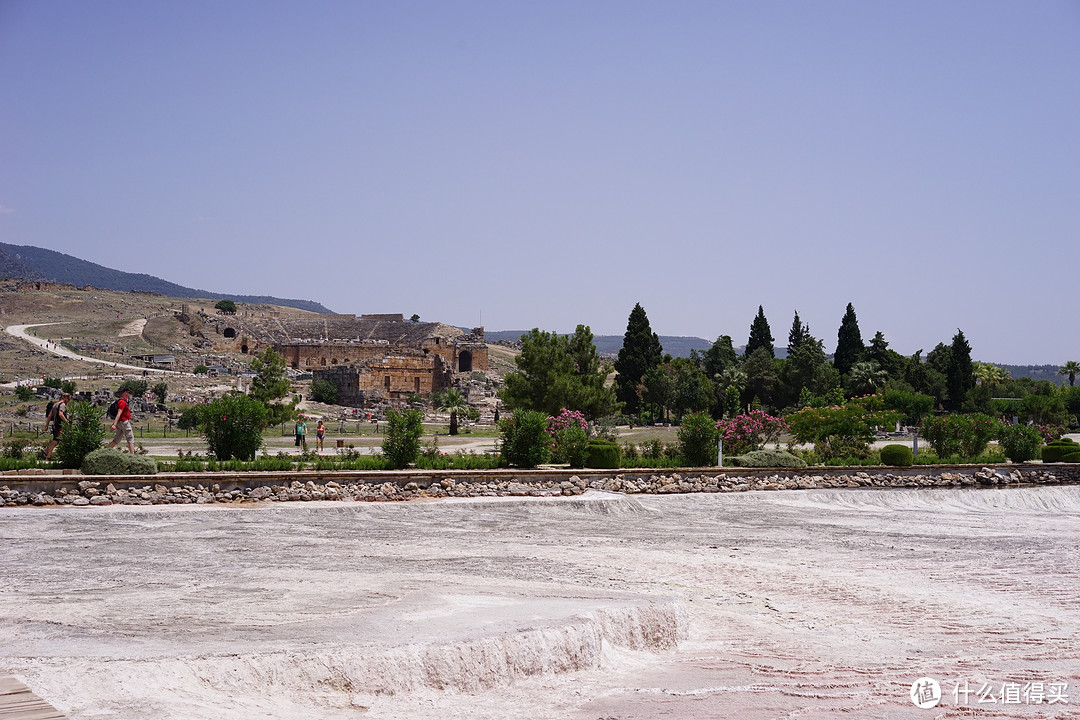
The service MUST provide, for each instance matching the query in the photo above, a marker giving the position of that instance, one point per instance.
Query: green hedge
(1055, 451)
(602, 454)
(896, 455)
(1071, 458)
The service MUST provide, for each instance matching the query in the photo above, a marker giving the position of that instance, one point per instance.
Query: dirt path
(20, 331)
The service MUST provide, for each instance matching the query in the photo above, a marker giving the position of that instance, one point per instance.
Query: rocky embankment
(93, 492)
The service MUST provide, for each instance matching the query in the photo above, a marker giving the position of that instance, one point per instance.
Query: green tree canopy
(227, 306)
(641, 351)
(760, 335)
(556, 372)
(270, 382)
(719, 357)
(849, 344)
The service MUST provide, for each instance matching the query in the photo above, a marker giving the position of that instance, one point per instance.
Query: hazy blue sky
(552, 163)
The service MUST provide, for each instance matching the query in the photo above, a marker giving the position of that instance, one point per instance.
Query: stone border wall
(43, 490)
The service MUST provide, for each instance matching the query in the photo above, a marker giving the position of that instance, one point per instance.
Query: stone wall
(185, 488)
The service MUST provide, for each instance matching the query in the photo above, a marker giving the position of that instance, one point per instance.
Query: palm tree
(452, 401)
(1071, 368)
(865, 378)
(989, 375)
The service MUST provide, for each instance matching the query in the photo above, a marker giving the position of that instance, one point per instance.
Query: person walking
(56, 421)
(320, 435)
(122, 424)
(301, 434)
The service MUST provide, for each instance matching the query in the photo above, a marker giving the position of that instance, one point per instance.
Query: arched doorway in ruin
(464, 361)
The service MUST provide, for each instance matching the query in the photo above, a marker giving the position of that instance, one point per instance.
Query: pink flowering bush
(569, 432)
(750, 431)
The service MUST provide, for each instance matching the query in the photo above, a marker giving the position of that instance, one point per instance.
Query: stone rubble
(90, 492)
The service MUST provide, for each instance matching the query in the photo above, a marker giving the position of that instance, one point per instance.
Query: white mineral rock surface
(808, 604)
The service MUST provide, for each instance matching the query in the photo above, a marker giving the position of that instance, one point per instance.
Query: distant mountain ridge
(33, 263)
(675, 345)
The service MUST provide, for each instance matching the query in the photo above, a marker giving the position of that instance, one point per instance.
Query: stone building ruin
(369, 358)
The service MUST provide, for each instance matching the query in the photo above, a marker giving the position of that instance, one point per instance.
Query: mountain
(33, 263)
(677, 346)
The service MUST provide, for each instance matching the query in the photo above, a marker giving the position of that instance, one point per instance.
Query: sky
(544, 164)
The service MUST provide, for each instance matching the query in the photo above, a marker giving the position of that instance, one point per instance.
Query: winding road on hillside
(20, 331)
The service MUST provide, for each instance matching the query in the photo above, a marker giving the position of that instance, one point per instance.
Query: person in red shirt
(122, 424)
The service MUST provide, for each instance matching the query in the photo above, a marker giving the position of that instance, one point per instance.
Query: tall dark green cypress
(797, 334)
(849, 344)
(960, 374)
(760, 335)
(641, 351)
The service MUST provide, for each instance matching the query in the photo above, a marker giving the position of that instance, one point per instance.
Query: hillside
(33, 263)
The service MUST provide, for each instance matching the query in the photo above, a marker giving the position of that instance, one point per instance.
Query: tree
(697, 440)
(324, 391)
(658, 388)
(865, 378)
(719, 358)
(959, 375)
(989, 375)
(453, 402)
(890, 361)
(137, 388)
(269, 383)
(83, 433)
(556, 372)
(849, 344)
(233, 425)
(525, 439)
(692, 390)
(761, 377)
(1072, 369)
(225, 306)
(641, 350)
(797, 334)
(760, 335)
(415, 318)
(161, 392)
(403, 431)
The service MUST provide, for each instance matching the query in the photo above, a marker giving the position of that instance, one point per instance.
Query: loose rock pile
(90, 492)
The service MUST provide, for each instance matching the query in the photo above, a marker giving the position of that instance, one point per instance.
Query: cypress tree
(849, 344)
(797, 334)
(641, 351)
(760, 335)
(960, 373)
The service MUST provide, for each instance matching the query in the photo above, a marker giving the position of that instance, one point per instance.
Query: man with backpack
(57, 416)
(121, 423)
